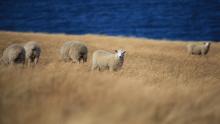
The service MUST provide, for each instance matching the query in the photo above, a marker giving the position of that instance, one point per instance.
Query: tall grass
(159, 83)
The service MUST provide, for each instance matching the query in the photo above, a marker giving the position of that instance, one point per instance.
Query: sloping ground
(159, 83)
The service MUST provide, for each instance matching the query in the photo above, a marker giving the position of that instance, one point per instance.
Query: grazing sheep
(33, 52)
(13, 54)
(75, 51)
(106, 60)
(199, 49)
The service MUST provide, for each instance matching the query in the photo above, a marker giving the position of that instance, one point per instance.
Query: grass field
(159, 84)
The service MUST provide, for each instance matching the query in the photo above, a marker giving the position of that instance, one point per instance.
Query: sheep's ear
(116, 51)
(124, 52)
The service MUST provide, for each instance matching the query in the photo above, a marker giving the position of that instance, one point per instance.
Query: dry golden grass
(159, 84)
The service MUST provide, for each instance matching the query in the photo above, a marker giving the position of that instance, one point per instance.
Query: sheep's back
(75, 47)
(32, 46)
(194, 49)
(190, 47)
(13, 52)
(79, 48)
(197, 49)
(102, 53)
(65, 49)
(102, 57)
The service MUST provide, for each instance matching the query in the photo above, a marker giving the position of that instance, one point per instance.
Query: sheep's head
(120, 53)
(207, 43)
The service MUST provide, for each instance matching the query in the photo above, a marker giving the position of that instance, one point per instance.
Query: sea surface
(157, 19)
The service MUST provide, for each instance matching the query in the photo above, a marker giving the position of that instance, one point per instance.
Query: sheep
(33, 51)
(103, 60)
(13, 54)
(75, 51)
(199, 49)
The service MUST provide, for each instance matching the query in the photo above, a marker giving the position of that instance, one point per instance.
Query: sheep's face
(120, 53)
(207, 43)
(35, 51)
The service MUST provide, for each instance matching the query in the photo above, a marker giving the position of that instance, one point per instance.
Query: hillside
(159, 84)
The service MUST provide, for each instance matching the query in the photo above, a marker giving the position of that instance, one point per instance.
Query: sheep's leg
(74, 58)
(29, 62)
(36, 60)
(202, 53)
(94, 67)
(77, 61)
(207, 59)
(66, 59)
(1, 61)
(23, 63)
(84, 58)
(80, 58)
(190, 53)
(73, 61)
(11, 62)
(111, 69)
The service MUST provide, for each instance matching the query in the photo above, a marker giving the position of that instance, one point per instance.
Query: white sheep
(13, 54)
(33, 52)
(75, 51)
(103, 60)
(199, 49)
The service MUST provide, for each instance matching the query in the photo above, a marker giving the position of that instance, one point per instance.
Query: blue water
(159, 19)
